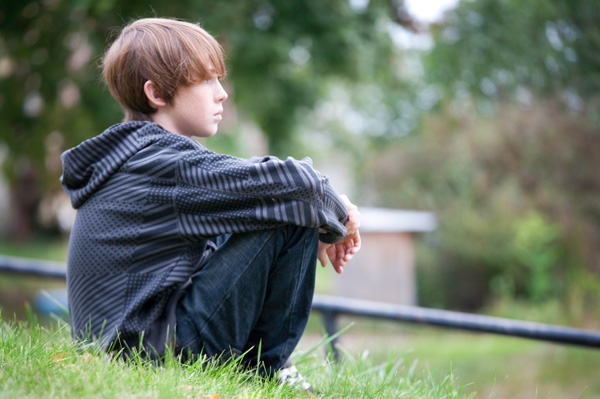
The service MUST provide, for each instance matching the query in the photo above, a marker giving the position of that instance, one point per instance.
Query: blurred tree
(509, 49)
(515, 184)
(542, 56)
(280, 54)
(516, 196)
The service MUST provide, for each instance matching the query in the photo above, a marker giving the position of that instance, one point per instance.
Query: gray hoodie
(148, 201)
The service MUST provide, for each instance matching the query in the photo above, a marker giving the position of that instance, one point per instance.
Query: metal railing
(33, 267)
(331, 307)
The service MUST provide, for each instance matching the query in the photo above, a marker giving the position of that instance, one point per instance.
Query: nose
(221, 93)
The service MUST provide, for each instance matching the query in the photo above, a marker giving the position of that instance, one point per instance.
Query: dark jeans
(255, 292)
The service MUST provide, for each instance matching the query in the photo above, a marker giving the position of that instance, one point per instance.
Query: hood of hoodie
(87, 166)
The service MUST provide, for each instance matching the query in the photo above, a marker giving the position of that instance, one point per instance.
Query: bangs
(204, 58)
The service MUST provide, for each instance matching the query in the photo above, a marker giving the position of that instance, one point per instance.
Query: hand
(342, 251)
(353, 223)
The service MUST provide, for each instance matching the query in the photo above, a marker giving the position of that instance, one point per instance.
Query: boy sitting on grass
(174, 244)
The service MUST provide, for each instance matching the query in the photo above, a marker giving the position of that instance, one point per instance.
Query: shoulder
(150, 133)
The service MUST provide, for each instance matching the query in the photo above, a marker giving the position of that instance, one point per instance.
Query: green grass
(39, 362)
(49, 249)
(491, 366)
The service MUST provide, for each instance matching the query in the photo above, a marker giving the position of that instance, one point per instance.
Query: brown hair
(169, 52)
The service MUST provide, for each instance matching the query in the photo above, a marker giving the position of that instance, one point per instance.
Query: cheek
(198, 105)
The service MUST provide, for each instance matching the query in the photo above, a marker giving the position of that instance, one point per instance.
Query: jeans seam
(295, 298)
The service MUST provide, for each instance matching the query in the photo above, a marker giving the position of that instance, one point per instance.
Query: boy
(175, 242)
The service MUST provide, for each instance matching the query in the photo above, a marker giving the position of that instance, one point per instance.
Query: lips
(218, 115)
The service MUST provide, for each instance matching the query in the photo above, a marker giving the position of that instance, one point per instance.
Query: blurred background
(483, 112)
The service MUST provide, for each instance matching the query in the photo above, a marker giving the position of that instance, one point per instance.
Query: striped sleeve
(219, 194)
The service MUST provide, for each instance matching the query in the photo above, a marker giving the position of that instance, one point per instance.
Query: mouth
(218, 115)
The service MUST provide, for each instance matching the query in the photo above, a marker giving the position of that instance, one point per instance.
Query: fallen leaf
(58, 357)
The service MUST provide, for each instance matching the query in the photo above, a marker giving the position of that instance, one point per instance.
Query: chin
(212, 132)
(204, 134)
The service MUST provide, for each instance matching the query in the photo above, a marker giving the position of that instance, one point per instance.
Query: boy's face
(196, 109)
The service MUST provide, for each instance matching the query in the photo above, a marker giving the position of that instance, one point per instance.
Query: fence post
(330, 323)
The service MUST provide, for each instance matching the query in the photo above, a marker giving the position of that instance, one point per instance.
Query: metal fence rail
(33, 267)
(330, 307)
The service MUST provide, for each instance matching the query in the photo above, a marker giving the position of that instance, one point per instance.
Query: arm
(221, 194)
(342, 252)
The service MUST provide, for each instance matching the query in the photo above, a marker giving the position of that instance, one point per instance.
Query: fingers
(334, 258)
(353, 223)
(356, 243)
(322, 253)
(335, 253)
(332, 253)
(339, 254)
(322, 259)
(342, 252)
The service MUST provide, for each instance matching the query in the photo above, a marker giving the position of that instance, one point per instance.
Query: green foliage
(514, 205)
(503, 49)
(508, 158)
(535, 248)
(280, 53)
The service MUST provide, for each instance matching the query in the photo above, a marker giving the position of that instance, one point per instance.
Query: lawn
(489, 366)
(39, 362)
(379, 361)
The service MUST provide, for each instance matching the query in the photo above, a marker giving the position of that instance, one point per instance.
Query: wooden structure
(384, 269)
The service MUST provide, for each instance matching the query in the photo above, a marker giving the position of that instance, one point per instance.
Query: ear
(152, 95)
